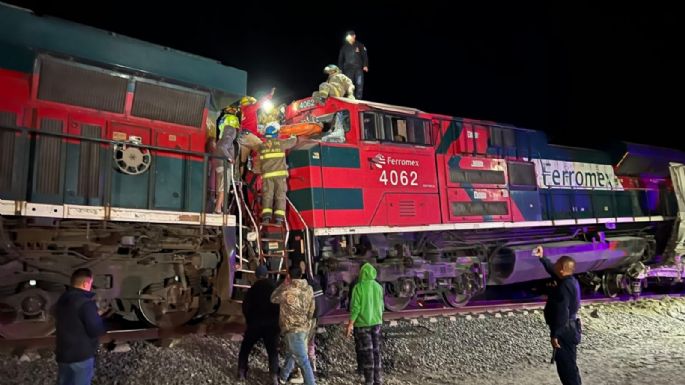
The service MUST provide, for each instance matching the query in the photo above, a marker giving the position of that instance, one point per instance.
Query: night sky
(584, 73)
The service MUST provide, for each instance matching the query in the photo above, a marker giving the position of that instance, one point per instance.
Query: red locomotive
(444, 206)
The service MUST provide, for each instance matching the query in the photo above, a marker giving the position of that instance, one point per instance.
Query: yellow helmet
(247, 100)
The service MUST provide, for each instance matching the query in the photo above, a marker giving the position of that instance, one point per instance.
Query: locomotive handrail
(106, 186)
(62, 135)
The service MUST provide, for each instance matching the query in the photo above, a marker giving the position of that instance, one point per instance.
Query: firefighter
(225, 148)
(274, 172)
(354, 61)
(337, 84)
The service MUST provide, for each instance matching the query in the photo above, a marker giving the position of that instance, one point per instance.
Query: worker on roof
(274, 171)
(354, 61)
(337, 85)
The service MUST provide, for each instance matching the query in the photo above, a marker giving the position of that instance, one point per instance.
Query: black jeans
(269, 336)
(356, 74)
(566, 356)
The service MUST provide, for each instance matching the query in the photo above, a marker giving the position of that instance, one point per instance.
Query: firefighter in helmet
(274, 172)
(337, 84)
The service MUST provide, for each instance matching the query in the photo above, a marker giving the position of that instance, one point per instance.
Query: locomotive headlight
(267, 106)
(32, 282)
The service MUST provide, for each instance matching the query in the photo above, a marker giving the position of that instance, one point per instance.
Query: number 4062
(401, 178)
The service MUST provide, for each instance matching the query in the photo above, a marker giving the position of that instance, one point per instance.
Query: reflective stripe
(280, 212)
(272, 155)
(274, 174)
(267, 211)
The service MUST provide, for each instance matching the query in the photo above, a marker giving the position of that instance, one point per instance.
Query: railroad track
(428, 312)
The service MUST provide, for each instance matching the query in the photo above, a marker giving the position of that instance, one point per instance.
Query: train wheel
(460, 293)
(612, 284)
(27, 314)
(167, 307)
(399, 294)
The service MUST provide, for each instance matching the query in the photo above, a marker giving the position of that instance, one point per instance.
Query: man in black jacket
(354, 61)
(78, 327)
(561, 315)
(261, 319)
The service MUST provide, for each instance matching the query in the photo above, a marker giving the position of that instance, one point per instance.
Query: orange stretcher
(300, 129)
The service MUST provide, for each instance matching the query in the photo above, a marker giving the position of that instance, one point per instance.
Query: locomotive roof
(23, 34)
(383, 106)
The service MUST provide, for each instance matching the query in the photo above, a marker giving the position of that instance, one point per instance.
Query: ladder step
(272, 239)
(242, 286)
(273, 255)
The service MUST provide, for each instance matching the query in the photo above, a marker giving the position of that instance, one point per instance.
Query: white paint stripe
(466, 226)
(116, 214)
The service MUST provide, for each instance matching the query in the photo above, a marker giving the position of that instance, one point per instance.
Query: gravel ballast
(626, 343)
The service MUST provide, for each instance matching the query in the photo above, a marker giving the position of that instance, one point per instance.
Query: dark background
(584, 73)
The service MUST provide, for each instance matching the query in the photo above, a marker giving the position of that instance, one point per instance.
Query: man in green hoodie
(366, 318)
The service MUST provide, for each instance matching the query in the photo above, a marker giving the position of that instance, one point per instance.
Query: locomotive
(445, 206)
(103, 165)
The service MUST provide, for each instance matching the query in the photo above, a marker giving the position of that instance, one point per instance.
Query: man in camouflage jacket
(296, 300)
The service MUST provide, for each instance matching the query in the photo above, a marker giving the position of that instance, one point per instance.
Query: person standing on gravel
(561, 315)
(261, 320)
(366, 318)
(78, 326)
(296, 299)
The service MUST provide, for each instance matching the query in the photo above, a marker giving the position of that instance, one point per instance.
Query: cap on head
(295, 272)
(350, 33)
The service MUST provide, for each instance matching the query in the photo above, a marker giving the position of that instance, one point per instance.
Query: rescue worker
(250, 137)
(296, 299)
(228, 110)
(354, 61)
(337, 85)
(366, 318)
(261, 319)
(561, 315)
(249, 108)
(225, 148)
(274, 171)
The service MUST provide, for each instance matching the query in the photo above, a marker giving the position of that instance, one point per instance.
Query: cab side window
(395, 128)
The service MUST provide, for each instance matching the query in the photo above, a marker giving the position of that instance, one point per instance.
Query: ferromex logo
(587, 176)
(380, 160)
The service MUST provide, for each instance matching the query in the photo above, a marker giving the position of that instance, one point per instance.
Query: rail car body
(102, 165)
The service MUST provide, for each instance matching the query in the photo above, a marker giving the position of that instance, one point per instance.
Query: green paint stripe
(307, 199)
(344, 157)
(327, 198)
(304, 157)
(450, 136)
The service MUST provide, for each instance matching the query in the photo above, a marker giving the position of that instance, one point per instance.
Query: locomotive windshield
(396, 129)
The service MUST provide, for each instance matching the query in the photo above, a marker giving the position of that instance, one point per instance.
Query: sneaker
(297, 378)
